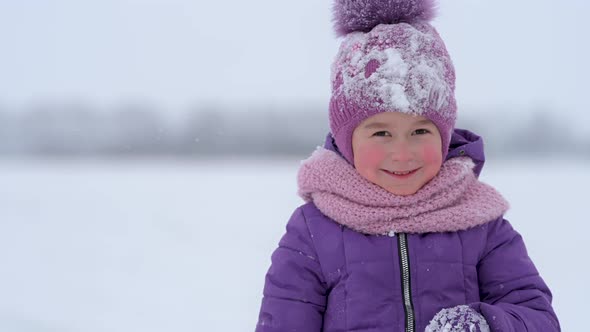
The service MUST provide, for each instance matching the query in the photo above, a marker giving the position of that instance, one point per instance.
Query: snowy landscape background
(148, 149)
(184, 246)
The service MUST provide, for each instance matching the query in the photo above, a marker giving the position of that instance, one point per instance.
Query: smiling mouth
(401, 174)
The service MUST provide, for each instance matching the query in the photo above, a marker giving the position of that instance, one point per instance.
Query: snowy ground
(184, 246)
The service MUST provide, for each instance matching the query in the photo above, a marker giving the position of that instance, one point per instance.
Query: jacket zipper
(404, 257)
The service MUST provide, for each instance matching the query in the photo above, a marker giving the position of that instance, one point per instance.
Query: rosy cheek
(370, 155)
(432, 154)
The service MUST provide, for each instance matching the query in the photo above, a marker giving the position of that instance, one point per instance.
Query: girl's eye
(421, 131)
(382, 133)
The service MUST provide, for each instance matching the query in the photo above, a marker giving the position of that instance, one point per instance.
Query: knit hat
(390, 60)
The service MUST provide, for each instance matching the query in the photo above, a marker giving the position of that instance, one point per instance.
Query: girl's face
(396, 151)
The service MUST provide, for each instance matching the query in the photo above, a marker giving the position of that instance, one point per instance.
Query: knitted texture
(402, 67)
(461, 318)
(453, 200)
(363, 15)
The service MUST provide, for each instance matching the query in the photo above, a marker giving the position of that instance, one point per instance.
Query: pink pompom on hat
(391, 60)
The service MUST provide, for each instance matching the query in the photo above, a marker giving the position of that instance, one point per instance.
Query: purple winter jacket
(327, 277)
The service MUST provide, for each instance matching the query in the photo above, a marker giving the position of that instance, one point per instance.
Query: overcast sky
(175, 53)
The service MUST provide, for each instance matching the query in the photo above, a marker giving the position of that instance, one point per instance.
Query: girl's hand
(458, 319)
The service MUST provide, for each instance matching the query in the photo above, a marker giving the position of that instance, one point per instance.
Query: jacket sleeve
(295, 290)
(513, 295)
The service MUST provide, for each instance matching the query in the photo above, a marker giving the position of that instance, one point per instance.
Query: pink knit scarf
(453, 200)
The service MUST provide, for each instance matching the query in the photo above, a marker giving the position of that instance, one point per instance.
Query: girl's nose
(400, 151)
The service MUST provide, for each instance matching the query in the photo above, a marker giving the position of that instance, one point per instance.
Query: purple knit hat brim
(343, 136)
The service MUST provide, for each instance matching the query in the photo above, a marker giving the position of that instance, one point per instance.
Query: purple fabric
(466, 143)
(363, 15)
(392, 68)
(326, 277)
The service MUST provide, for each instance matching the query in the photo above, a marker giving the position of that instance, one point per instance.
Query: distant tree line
(215, 131)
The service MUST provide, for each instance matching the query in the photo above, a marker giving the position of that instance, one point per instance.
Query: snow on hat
(390, 60)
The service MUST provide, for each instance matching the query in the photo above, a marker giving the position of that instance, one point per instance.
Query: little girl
(397, 233)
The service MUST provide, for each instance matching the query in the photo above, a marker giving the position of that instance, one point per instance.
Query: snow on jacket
(327, 277)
